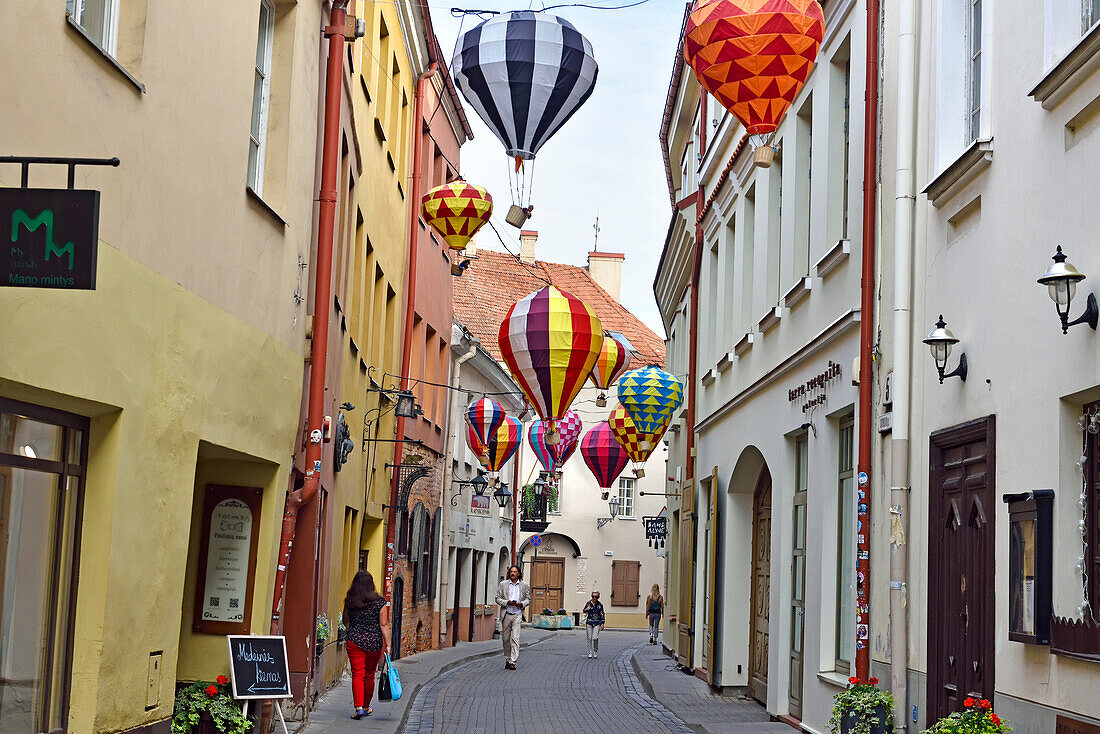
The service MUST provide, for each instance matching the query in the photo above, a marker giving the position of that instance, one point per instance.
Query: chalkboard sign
(258, 667)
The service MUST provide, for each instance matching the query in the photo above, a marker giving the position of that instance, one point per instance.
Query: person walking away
(513, 596)
(367, 617)
(654, 609)
(593, 623)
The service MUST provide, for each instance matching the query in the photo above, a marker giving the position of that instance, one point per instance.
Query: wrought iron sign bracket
(26, 161)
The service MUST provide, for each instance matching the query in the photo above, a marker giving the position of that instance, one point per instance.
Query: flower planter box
(552, 622)
(851, 720)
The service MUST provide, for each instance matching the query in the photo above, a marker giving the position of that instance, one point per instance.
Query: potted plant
(863, 708)
(208, 708)
(324, 632)
(341, 630)
(977, 718)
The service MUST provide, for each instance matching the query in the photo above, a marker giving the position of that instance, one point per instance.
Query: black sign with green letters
(49, 238)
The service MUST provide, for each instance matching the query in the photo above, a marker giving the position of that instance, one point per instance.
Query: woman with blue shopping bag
(368, 621)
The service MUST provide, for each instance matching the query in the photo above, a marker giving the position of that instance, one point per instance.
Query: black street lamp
(502, 495)
(406, 404)
(941, 340)
(1061, 280)
(480, 484)
(540, 485)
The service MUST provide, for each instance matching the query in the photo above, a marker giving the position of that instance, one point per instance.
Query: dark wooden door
(547, 584)
(798, 578)
(961, 553)
(473, 594)
(397, 603)
(458, 599)
(761, 587)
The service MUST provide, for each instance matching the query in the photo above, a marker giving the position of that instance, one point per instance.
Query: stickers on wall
(863, 479)
(861, 631)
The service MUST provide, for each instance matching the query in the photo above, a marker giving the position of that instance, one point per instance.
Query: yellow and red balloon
(457, 211)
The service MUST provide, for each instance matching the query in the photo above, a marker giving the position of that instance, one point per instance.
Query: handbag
(384, 692)
(392, 680)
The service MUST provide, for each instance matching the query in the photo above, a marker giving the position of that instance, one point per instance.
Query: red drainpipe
(322, 300)
(516, 474)
(867, 337)
(410, 309)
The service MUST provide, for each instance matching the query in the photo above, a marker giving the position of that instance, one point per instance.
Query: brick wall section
(418, 631)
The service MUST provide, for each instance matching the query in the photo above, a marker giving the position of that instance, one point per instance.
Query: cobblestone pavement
(557, 690)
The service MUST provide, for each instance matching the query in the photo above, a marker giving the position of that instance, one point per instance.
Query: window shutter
(624, 583)
(633, 574)
(433, 559)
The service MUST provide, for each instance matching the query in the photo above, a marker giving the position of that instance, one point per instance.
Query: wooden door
(798, 578)
(547, 584)
(625, 576)
(685, 616)
(397, 602)
(761, 587)
(961, 617)
(458, 598)
(473, 594)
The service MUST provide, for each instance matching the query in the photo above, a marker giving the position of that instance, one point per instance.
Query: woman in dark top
(367, 617)
(593, 623)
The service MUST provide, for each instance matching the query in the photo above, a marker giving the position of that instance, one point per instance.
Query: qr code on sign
(234, 603)
(214, 601)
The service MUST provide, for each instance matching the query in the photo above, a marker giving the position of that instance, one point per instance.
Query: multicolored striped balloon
(537, 436)
(650, 395)
(504, 443)
(550, 340)
(457, 211)
(569, 430)
(613, 361)
(476, 445)
(605, 458)
(485, 416)
(637, 445)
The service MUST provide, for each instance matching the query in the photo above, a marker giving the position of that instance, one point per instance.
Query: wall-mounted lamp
(406, 405)
(1061, 280)
(940, 340)
(613, 506)
(540, 484)
(502, 495)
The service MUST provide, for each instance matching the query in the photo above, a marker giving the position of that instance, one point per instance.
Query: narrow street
(557, 689)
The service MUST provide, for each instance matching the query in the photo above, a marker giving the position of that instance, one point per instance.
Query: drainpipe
(410, 310)
(448, 471)
(336, 33)
(517, 473)
(904, 205)
(867, 335)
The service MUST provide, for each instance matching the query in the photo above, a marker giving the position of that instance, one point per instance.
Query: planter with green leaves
(863, 708)
(977, 718)
(208, 707)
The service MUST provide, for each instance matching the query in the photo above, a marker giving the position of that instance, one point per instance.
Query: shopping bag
(384, 691)
(393, 679)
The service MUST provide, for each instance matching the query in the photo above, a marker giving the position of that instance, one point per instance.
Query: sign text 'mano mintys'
(49, 238)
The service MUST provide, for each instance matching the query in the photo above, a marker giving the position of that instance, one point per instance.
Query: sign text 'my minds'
(49, 238)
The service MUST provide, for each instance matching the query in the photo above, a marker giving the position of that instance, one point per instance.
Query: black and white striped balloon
(525, 73)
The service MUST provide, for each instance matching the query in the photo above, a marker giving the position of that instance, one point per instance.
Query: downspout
(410, 310)
(336, 33)
(904, 206)
(517, 473)
(867, 338)
(448, 471)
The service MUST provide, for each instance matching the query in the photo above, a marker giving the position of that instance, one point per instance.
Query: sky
(606, 160)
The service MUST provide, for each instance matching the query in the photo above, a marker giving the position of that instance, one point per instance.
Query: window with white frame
(626, 497)
(1090, 14)
(261, 97)
(974, 71)
(960, 79)
(846, 551)
(99, 19)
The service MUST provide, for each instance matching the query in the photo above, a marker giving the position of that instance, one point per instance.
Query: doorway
(397, 603)
(761, 586)
(798, 575)
(473, 593)
(547, 584)
(716, 630)
(961, 550)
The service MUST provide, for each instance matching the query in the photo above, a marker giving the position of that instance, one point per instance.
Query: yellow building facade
(121, 407)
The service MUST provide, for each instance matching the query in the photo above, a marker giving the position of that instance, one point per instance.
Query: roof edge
(670, 100)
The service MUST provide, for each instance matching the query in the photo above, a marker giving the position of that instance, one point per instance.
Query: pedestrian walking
(654, 610)
(513, 596)
(593, 622)
(367, 617)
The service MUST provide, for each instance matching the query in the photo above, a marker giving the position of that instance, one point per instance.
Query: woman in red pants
(367, 618)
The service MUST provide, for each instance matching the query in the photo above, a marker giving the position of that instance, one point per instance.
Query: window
(624, 583)
(43, 460)
(846, 551)
(622, 337)
(1090, 14)
(261, 96)
(99, 19)
(553, 499)
(1092, 508)
(626, 497)
(974, 71)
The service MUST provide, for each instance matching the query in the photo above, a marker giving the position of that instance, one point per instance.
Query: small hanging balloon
(613, 361)
(476, 445)
(605, 458)
(550, 340)
(457, 211)
(504, 443)
(569, 431)
(650, 396)
(631, 439)
(485, 416)
(544, 452)
(754, 56)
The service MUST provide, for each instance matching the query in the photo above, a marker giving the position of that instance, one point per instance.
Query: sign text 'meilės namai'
(49, 238)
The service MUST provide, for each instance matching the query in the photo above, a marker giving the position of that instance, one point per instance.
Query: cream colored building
(182, 369)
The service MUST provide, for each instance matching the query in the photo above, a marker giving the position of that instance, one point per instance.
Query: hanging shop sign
(227, 560)
(49, 238)
(656, 530)
(814, 391)
(480, 505)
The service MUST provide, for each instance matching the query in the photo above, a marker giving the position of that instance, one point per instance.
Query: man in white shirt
(513, 596)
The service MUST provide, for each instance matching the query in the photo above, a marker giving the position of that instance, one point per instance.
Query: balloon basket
(517, 216)
(763, 156)
(604, 495)
(456, 269)
(645, 445)
(553, 438)
(601, 401)
(639, 472)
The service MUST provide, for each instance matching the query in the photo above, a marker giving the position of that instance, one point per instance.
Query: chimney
(527, 240)
(471, 248)
(606, 268)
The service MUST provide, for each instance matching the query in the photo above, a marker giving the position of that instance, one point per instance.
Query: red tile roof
(496, 280)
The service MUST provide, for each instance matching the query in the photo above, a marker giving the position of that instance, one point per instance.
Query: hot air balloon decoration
(550, 340)
(613, 361)
(504, 443)
(754, 56)
(569, 431)
(631, 439)
(650, 396)
(476, 445)
(457, 211)
(605, 458)
(544, 452)
(526, 73)
(484, 416)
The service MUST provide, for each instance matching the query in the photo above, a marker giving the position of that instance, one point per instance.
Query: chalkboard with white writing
(258, 666)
